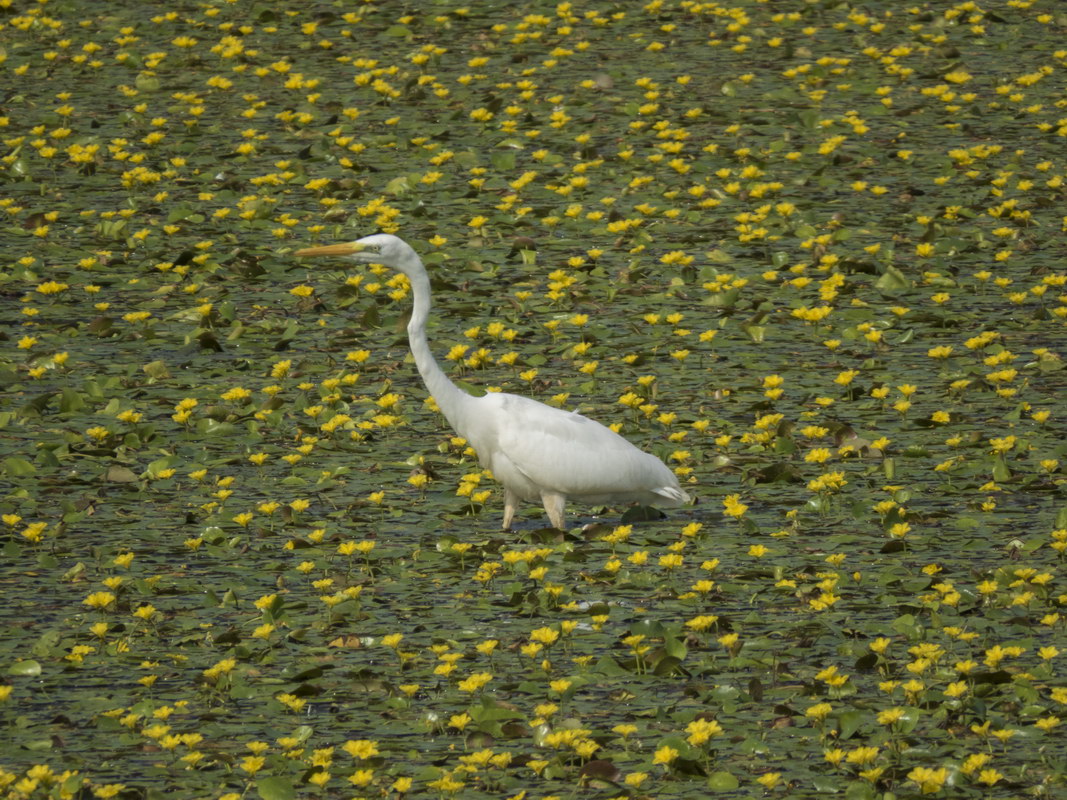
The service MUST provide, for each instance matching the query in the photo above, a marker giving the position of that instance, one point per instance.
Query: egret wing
(565, 452)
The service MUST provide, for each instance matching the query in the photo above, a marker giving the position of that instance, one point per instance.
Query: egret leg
(554, 503)
(511, 500)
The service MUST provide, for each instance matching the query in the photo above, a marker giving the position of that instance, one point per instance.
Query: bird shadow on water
(591, 524)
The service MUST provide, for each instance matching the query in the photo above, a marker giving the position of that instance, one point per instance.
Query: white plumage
(538, 453)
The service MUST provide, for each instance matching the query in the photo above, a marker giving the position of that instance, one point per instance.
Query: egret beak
(343, 249)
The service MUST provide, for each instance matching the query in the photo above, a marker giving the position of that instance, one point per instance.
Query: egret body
(538, 453)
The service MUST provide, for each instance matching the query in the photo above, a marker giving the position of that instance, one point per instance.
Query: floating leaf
(275, 788)
(15, 467)
(25, 669)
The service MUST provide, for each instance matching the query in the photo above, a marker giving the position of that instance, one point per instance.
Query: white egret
(537, 452)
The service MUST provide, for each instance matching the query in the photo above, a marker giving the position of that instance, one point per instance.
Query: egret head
(380, 248)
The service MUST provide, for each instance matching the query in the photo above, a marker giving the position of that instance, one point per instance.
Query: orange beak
(343, 249)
